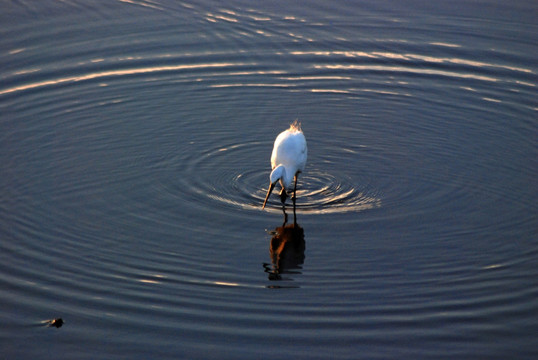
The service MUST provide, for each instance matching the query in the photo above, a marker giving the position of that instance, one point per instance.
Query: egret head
(276, 175)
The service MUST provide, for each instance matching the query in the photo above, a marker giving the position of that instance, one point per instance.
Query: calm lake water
(135, 139)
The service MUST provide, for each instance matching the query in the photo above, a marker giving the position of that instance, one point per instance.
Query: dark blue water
(135, 139)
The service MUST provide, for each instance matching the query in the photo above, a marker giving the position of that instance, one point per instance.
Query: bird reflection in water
(286, 249)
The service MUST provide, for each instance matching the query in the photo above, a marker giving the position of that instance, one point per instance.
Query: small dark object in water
(57, 323)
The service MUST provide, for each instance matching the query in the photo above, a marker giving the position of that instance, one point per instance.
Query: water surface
(135, 139)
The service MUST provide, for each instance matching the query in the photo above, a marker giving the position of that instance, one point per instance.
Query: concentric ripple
(136, 138)
(233, 175)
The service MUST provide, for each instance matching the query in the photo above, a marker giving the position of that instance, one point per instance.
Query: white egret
(287, 161)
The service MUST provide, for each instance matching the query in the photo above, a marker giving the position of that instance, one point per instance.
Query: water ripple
(124, 72)
(221, 175)
(135, 143)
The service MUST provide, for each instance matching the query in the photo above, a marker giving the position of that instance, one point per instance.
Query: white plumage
(287, 161)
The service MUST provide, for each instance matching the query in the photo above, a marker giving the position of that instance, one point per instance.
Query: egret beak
(271, 187)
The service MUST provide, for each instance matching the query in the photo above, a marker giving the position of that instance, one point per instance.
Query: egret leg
(294, 198)
(283, 196)
(295, 187)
